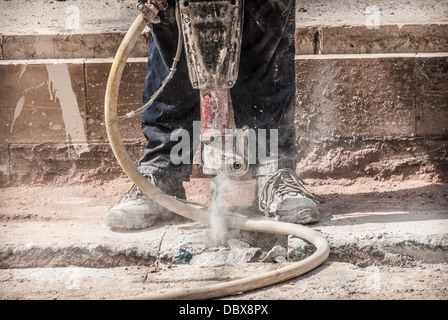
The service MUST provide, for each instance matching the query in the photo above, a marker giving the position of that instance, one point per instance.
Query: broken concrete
(237, 244)
(223, 257)
(275, 253)
(382, 231)
(299, 249)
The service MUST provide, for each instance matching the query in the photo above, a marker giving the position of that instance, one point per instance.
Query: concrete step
(68, 16)
(353, 112)
(85, 45)
(87, 29)
(359, 39)
(322, 39)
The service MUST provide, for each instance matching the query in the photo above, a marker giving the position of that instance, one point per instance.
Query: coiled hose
(267, 226)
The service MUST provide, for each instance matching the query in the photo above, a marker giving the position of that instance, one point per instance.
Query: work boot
(283, 196)
(136, 210)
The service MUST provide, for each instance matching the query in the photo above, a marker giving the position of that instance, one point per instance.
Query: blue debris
(298, 253)
(183, 257)
(301, 250)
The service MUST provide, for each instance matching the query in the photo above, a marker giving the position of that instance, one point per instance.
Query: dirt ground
(388, 241)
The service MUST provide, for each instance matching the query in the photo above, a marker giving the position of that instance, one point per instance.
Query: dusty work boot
(283, 196)
(136, 210)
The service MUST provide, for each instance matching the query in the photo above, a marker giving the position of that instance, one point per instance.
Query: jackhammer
(210, 32)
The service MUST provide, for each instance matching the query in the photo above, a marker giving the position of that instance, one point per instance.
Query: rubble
(275, 253)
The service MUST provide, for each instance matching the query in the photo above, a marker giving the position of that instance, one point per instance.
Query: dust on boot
(136, 210)
(283, 196)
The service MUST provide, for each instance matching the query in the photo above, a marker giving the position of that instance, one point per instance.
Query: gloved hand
(150, 9)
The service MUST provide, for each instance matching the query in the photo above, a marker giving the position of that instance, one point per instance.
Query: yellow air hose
(266, 226)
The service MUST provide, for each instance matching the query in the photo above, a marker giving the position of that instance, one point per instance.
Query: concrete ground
(387, 232)
(388, 241)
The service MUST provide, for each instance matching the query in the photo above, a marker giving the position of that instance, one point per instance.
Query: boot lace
(135, 192)
(283, 182)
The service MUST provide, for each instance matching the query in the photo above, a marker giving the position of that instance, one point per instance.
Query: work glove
(150, 9)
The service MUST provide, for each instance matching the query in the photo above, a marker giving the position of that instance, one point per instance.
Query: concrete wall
(51, 115)
(370, 102)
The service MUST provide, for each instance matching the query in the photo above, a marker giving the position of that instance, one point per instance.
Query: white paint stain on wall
(60, 87)
(18, 111)
(19, 106)
(21, 71)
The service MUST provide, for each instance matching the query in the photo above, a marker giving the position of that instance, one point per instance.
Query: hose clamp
(141, 7)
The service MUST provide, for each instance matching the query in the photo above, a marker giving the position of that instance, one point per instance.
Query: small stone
(275, 252)
(280, 259)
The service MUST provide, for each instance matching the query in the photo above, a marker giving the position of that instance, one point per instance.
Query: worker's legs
(175, 109)
(263, 97)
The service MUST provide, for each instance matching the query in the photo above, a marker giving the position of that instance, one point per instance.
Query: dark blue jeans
(262, 98)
